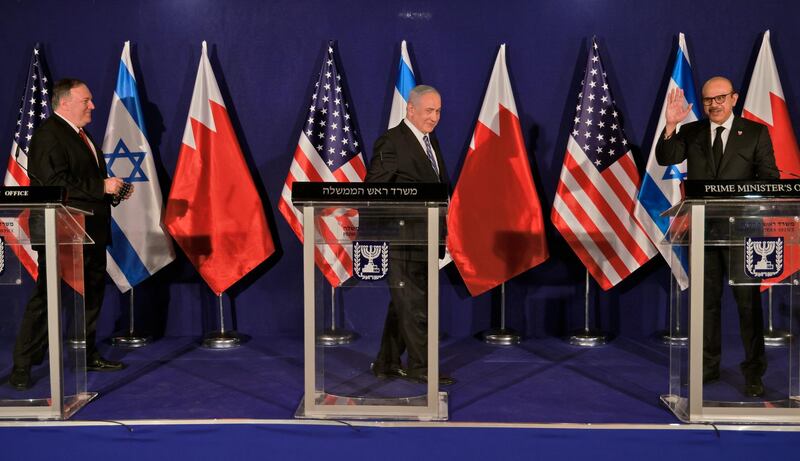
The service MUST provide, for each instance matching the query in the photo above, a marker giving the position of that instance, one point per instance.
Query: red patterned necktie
(88, 144)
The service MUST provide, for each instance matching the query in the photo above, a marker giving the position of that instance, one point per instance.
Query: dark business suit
(399, 157)
(748, 154)
(59, 157)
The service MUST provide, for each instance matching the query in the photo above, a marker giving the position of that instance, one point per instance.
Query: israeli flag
(140, 244)
(405, 83)
(661, 185)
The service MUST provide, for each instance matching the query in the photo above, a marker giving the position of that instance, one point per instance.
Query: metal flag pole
(334, 336)
(587, 337)
(501, 336)
(221, 339)
(773, 337)
(131, 339)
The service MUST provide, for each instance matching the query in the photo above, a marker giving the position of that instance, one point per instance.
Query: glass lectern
(35, 218)
(761, 235)
(352, 232)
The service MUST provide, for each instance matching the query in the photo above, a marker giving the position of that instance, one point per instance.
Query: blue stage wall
(266, 54)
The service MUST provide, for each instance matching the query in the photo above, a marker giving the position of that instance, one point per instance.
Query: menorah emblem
(770, 257)
(764, 249)
(370, 260)
(370, 252)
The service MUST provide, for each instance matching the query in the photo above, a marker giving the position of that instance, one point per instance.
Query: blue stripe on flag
(654, 202)
(405, 79)
(129, 96)
(682, 76)
(682, 253)
(125, 256)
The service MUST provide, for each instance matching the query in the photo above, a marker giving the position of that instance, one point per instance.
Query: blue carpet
(541, 380)
(216, 442)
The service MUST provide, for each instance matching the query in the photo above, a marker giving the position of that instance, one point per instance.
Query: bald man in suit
(723, 146)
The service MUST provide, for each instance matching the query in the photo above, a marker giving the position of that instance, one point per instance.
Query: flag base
(676, 339)
(222, 340)
(131, 340)
(76, 343)
(335, 337)
(501, 337)
(777, 338)
(588, 338)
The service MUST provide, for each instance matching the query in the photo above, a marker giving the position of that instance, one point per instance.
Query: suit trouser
(748, 301)
(32, 337)
(406, 326)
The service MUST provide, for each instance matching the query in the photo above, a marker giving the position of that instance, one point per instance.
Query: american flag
(329, 150)
(596, 193)
(34, 108)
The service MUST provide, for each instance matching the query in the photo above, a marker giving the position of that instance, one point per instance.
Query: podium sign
(756, 226)
(357, 238)
(59, 382)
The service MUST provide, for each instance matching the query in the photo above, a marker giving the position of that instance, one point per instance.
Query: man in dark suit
(723, 146)
(63, 154)
(409, 152)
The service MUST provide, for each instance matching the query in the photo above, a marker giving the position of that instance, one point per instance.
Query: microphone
(27, 171)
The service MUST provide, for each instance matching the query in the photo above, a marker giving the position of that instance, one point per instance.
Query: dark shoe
(710, 376)
(388, 373)
(20, 378)
(753, 387)
(444, 380)
(101, 364)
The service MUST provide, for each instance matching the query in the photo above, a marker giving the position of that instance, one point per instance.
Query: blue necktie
(429, 151)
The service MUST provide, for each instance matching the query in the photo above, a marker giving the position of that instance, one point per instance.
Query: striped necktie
(429, 152)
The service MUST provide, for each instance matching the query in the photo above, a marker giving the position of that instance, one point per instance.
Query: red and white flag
(34, 108)
(214, 211)
(495, 225)
(766, 104)
(329, 150)
(597, 189)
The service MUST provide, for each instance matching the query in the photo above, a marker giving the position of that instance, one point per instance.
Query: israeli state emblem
(370, 260)
(2, 255)
(763, 257)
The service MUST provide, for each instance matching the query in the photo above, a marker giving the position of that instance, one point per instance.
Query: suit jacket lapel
(437, 151)
(734, 141)
(76, 139)
(100, 162)
(421, 157)
(705, 146)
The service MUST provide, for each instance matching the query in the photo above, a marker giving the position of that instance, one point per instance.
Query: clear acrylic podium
(352, 232)
(762, 235)
(59, 382)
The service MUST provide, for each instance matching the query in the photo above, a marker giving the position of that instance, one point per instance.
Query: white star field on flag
(597, 127)
(34, 106)
(328, 126)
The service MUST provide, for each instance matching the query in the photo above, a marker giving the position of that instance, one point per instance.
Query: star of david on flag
(140, 244)
(130, 169)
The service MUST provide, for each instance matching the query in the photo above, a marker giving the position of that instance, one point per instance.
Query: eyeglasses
(719, 99)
